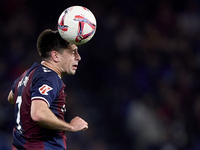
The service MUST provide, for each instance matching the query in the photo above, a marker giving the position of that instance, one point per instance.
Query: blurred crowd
(138, 83)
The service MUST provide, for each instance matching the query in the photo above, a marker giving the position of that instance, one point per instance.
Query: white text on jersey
(23, 81)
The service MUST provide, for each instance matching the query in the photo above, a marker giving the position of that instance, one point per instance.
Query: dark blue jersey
(38, 83)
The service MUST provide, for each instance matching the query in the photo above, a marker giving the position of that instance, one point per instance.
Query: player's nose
(78, 57)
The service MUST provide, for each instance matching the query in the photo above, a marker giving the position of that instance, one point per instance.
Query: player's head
(64, 55)
(48, 41)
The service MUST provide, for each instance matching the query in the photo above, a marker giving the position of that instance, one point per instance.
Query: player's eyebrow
(75, 49)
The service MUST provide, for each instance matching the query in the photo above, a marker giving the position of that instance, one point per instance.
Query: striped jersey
(38, 83)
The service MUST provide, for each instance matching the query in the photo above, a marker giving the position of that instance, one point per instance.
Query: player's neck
(49, 65)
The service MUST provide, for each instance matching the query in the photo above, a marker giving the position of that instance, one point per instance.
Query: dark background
(138, 83)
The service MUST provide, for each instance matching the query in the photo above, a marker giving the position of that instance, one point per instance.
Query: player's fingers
(85, 128)
(85, 122)
(85, 125)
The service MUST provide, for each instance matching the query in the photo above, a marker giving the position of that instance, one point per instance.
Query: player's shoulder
(42, 72)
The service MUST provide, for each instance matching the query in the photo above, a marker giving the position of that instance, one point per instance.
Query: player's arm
(11, 97)
(42, 115)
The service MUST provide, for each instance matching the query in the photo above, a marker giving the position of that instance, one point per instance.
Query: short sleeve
(44, 87)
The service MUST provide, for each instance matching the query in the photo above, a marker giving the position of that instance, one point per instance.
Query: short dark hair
(48, 41)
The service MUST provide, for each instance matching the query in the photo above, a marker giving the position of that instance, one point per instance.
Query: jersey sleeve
(44, 87)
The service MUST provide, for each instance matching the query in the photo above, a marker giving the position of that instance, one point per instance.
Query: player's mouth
(74, 67)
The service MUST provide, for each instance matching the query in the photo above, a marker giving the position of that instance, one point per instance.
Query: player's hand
(78, 124)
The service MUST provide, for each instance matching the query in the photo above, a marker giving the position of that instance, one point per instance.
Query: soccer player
(39, 97)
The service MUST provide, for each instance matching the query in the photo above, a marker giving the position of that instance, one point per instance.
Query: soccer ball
(77, 25)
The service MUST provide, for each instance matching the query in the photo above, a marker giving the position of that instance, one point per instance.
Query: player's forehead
(72, 47)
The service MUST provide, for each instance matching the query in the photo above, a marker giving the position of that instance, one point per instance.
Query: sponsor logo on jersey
(44, 89)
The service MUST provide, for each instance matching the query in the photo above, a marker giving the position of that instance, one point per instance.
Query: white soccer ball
(77, 25)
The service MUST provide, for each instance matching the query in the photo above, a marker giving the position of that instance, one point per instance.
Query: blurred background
(138, 83)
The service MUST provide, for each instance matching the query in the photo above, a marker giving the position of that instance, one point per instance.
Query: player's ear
(54, 55)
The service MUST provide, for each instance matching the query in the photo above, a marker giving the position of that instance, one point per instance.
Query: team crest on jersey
(44, 89)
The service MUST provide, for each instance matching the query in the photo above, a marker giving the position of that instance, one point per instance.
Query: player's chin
(72, 72)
